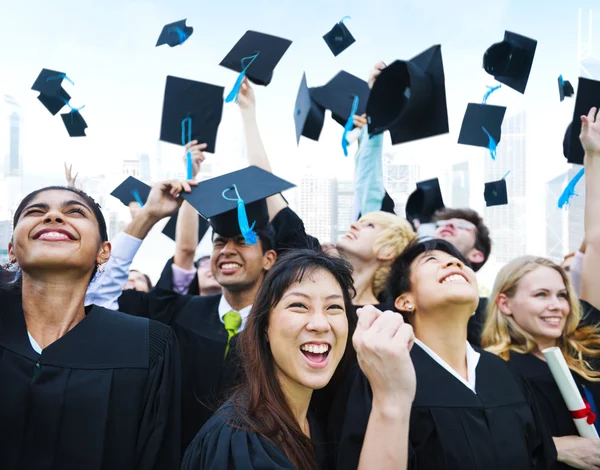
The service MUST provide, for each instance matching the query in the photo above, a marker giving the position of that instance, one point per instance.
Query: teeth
(454, 278)
(54, 236)
(230, 266)
(552, 320)
(315, 348)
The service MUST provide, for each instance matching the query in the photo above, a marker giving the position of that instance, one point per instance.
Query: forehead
(316, 281)
(543, 276)
(441, 255)
(56, 197)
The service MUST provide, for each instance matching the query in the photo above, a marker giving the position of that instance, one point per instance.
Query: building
(461, 187)
(145, 170)
(316, 206)
(342, 211)
(131, 168)
(508, 223)
(400, 179)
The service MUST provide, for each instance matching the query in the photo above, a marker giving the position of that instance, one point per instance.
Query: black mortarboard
(339, 38)
(270, 50)
(55, 103)
(477, 118)
(171, 227)
(201, 102)
(74, 123)
(131, 190)
(337, 95)
(252, 184)
(510, 61)
(565, 89)
(424, 202)
(175, 34)
(409, 98)
(308, 115)
(495, 193)
(52, 95)
(588, 96)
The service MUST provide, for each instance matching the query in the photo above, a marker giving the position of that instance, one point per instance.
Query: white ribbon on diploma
(569, 391)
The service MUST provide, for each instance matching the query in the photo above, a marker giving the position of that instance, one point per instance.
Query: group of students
(280, 353)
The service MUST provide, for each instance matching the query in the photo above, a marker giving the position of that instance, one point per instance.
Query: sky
(108, 49)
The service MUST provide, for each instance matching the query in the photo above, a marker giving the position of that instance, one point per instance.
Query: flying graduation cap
(565, 89)
(235, 203)
(339, 38)
(308, 115)
(171, 227)
(424, 202)
(482, 126)
(254, 56)
(495, 193)
(588, 96)
(132, 190)
(510, 61)
(191, 111)
(175, 34)
(408, 98)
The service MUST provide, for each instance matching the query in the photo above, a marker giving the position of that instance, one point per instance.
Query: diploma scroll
(580, 410)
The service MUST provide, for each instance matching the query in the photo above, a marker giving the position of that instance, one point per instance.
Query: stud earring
(100, 268)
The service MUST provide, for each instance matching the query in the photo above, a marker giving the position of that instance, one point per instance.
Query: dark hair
(483, 242)
(93, 206)
(266, 236)
(398, 281)
(146, 278)
(259, 399)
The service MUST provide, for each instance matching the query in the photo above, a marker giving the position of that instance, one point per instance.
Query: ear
(11, 252)
(269, 259)
(386, 253)
(104, 253)
(475, 256)
(405, 303)
(503, 304)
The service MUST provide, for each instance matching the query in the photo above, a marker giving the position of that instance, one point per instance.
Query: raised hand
(246, 98)
(164, 198)
(590, 133)
(379, 66)
(68, 176)
(383, 342)
(360, 121)
(198, 156)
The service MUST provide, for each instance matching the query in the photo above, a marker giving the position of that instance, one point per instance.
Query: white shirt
(36, 347)
(224, 307)
(472, 361)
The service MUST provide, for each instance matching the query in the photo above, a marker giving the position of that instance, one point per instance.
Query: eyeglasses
(460, 224)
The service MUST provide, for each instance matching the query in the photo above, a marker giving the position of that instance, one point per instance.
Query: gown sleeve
(590, 314)
(158, 304)
(159, 440)
(178, 280)
(224, 444)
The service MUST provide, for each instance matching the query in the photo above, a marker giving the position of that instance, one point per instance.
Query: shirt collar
(224, 307)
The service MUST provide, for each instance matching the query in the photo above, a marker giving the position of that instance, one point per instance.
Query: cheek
(339, 325)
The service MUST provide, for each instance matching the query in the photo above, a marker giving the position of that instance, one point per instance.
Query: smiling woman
(65, 368)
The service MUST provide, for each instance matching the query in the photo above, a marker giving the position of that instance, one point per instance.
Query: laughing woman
(296, 336)
(80, 387)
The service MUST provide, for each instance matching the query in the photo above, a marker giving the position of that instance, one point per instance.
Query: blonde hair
(501, 334)
(396, 235)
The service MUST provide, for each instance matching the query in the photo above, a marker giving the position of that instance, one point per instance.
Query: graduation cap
(510, 61)
(337, 95)
(132, 190)
(235, 203)
(171, 227)
(409, 98)
(191, 111)
(482, 126)
(52, 94)
(255, 55)
(588, 96)
(74, 122)
(424, 202)
(495, 193)
(565, 89)
(339, 38)
(54, 103)
(308, 115)
(175, 34)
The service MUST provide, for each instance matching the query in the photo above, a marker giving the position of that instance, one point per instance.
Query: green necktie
(233, 321)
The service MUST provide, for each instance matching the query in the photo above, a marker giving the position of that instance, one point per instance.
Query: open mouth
(552, 321)
(229, 267)
(316, 354)
(459, 278)
(54, 236)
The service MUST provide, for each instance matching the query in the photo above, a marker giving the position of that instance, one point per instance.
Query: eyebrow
(302, 294)
(44, 206)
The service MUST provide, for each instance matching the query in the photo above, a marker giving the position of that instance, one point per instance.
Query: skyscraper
(461, 188)
(316, 206)
(556, 219)
(400, 177)
(14, 136)
(342, 208)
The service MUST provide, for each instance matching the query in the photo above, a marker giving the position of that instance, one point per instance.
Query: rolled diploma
(568, 389)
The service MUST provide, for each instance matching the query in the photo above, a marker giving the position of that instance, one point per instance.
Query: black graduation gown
(225, 443)
(105, 396)
(207, 377)
(451, 427)
(477, 322)
(551, 404)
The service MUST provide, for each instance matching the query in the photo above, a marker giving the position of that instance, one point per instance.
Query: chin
(315, 382)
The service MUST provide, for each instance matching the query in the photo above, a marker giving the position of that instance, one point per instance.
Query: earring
(9, 264)
(410, 307)
(100, 268)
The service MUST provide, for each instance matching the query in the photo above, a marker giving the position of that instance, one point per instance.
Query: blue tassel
(569, 191)
(492, 145)
(233, 94)
(184, 142)
(491, 89)
(136, 196)
(349, 125)
(344, 19)
(180, 34)
(62, 76)
(504, 177)
(248, 233)
(562, 82)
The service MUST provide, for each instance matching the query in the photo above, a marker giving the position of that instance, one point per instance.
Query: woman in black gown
(533, 306)
(295, 338)
(80, 387)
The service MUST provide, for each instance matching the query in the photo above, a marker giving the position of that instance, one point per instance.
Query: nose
(554, 303)
(355, 225)
(454, 262)
(228, 248)
(53, 216)
(318, 323)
